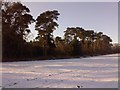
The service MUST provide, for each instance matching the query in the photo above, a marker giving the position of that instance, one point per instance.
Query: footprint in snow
(13, 84)
(79, 86)
(31, 79)
(50, 75)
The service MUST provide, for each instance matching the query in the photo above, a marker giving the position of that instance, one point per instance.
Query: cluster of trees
(116, 48)
(77, 41)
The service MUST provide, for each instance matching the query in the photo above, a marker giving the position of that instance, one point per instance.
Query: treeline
(77, 41)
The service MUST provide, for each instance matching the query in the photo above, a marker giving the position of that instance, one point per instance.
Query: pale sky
(98, 16)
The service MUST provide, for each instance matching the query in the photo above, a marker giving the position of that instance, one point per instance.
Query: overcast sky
(98, 16)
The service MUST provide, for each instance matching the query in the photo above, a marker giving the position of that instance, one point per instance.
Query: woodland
(77, 42)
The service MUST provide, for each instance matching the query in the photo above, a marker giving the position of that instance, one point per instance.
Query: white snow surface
(90, 72)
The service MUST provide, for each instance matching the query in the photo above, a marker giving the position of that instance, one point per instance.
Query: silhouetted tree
(45, 25)
(73, 38)
(102, 43)
(15, 21)
(60, 46)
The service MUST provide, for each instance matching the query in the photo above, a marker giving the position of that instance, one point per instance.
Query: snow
(90, 72)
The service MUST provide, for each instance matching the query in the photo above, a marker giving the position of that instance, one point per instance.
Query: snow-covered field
(91, 72)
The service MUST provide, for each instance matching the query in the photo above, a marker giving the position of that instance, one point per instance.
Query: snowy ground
(91, 72)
